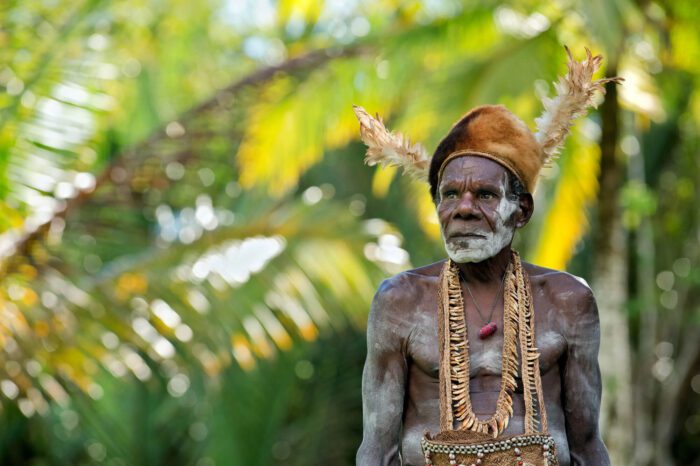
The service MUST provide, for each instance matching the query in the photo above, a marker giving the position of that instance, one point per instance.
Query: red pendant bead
(487, 330)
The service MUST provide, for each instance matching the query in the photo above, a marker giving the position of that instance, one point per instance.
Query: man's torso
(418, 331)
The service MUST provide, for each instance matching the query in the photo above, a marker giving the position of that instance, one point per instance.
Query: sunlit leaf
(566, 218)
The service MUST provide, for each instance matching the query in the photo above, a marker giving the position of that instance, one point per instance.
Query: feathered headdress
(391, 149)
(494, 132)
(576, 92)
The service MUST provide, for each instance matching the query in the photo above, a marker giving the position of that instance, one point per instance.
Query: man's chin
(463, 256)
(477, 250)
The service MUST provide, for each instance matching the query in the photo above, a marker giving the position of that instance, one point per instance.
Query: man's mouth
(467, 236)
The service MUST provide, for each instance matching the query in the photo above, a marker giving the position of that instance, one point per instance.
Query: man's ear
(526, 206)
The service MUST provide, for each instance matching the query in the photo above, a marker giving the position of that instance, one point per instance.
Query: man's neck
(491, 269)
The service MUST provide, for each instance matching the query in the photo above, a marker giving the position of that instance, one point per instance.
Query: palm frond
(566, 219)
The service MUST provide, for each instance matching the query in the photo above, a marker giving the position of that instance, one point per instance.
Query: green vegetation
(189, 241)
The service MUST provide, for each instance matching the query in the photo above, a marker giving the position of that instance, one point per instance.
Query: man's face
(477, 218)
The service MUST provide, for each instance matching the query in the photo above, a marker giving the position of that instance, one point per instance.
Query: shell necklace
(518, 334)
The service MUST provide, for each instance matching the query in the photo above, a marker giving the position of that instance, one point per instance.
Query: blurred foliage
(189, 241)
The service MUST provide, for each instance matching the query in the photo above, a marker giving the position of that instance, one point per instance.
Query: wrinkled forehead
(474, 168)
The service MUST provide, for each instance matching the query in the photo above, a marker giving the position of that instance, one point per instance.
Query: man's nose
(467, 207)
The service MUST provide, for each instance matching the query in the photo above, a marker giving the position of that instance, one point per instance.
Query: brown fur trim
(491, 131)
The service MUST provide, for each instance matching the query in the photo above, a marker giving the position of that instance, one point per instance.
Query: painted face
(477, 219)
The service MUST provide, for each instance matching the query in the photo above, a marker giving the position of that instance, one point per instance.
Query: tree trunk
(645, 386)
(610, 286)
(673, 396)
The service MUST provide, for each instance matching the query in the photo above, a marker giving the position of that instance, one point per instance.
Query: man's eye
(486, 195)
(451, 194)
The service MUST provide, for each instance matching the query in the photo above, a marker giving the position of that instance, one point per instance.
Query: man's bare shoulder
(393, 314)
(406, 287)
(410, 281)
(430, 271)
(563, 289)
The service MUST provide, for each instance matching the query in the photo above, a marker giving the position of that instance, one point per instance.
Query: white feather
(391, 149)
(575, 93)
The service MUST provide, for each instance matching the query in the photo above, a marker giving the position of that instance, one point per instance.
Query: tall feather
(391, 149)
(576, 92)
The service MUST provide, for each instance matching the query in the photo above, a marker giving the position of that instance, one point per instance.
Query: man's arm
(582, 385)
(383, 380)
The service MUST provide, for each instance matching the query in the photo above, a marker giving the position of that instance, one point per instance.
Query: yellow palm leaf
(565, 222)
(308, 10)
(381, 181)
(290, 128)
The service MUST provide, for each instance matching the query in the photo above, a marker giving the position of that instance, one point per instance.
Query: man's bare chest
(485, 355)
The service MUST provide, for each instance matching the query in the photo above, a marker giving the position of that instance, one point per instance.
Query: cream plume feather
(391, 149)
(575, 93)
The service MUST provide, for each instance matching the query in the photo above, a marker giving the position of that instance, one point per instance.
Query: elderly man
(481, 176)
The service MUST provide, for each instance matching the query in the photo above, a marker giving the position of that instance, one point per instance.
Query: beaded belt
(523, 450)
